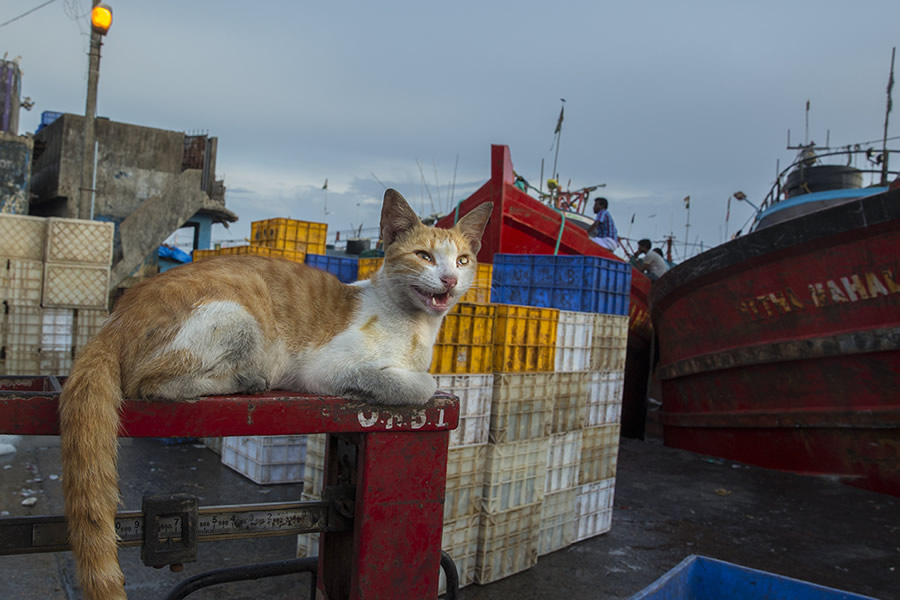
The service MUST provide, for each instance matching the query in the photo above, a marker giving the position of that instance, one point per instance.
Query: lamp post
(101, 19)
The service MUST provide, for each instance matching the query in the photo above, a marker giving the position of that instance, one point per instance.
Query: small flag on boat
(325, 186)
(687, 202)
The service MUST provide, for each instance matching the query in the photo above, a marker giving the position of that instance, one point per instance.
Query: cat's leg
(214, 353)
(390, 385)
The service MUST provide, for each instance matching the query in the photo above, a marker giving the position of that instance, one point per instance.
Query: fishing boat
(781, 348)
(521, 224)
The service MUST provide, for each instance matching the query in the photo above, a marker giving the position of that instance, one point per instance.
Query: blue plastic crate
(702, 578)
(345, 269)
(577, 283)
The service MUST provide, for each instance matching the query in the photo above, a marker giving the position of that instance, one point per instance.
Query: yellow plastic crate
(368, 267)
(480, 291)
(524, 338)
(289, 234)
(464, 343)
(204, 254)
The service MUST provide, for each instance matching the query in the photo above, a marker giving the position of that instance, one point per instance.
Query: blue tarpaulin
(174, 254)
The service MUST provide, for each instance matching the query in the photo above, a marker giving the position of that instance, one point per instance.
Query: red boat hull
(522, 225)
(782, 348)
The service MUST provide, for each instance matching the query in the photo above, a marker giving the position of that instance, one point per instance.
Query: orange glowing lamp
(101, 18)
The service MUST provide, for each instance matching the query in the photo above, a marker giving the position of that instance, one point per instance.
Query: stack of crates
(266, 459)
(54, 290)
(292, 255)
(289, 234)
(462, 365)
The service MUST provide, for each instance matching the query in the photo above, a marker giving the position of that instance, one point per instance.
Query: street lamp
(743, 198)
(101, 20)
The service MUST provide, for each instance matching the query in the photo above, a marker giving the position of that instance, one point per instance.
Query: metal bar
(281, 413)
(28, 535)
(452, 576)
(244, 573)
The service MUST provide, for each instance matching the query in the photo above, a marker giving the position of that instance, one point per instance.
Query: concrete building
(149, 183)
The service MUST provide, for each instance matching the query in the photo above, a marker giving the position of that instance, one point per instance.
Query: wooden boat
(520, 224)
(781, 348)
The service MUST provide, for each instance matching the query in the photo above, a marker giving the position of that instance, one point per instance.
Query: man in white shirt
(653, 264)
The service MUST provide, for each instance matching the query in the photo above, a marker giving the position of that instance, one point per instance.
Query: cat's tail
(89, 421)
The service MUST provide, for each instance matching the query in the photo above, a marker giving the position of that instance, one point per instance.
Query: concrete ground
(669, 504)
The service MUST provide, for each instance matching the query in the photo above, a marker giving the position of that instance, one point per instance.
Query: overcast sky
(663, 99)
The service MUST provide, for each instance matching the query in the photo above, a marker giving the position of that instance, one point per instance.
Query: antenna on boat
(884, 152)
(806, 132)
(558, 133)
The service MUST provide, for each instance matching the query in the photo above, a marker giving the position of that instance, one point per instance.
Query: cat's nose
(449, 281)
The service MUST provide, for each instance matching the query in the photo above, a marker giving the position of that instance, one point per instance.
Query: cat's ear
(472, 225)
(396, 217)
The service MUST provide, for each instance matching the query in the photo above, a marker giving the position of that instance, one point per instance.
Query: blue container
(576, 283)
(345, 269)
(702, 578)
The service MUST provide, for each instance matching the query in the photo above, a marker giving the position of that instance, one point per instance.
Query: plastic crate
(308, 544)
(557, 521)
(520, 406)
(507, 543)
(599, 453)
(569, 405)
(474, 392)
(79, 241)
(24, 282)
(88, 323)
(460, 540)
(314, 469)
(609, 342)
(524, 339)
(563, 460)
(593, 508)
(57, 330)
(369, 266)
(54, 362)
(604, 405)
(574, 336)
(703, 578)
(575, 283)
(22, 237)
(480, 290)
(71, 285)
(289, 234)
(345, 269)
(465, 341)
(465, 480)
(213, 443)
(514, 475)
(266, 459)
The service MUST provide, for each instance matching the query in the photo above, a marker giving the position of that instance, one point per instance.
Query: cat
(246, 324)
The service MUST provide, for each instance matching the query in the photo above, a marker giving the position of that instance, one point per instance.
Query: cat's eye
(424, 256)
(462, 260)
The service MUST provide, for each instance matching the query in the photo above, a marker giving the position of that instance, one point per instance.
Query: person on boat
(603, 230)
(653, 263)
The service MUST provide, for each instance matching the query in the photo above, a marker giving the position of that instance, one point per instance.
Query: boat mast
(884, 152)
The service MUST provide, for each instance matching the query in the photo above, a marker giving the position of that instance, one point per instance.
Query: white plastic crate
(563, 461)
(569, 402)
(79, 241)
(24, 281)
(520, 406)
(599, 453)
(54, 362)
(22, 237)
(557, 521)
(609, 342)
(68, 285)
(308, 544)
(507, 543)
(23, 328)
(57, 329)
(514, 474)
(22, 361)
(605, 390)
(266, 459)
(314, 472)
(465, 481)
(460, 540)
(574, 333)
(88, 323)
(593, 508)
(474, 392)
(213, 443)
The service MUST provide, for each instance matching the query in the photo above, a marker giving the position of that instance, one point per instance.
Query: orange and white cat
(246, 324)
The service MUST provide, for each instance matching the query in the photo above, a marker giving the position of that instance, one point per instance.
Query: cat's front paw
(251, 383)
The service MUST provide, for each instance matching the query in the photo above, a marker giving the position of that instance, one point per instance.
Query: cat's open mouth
(437, 302)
